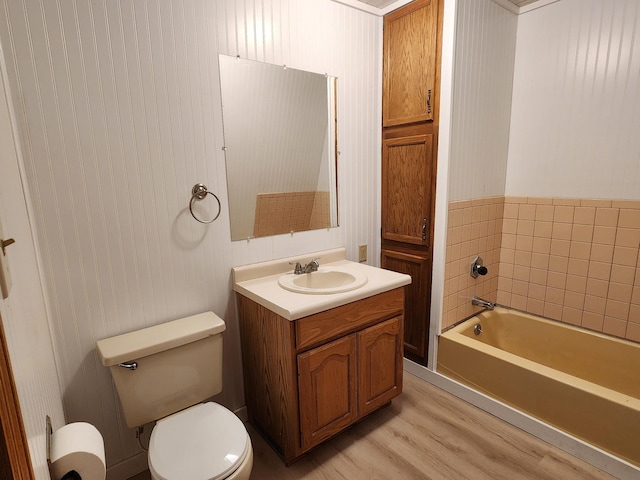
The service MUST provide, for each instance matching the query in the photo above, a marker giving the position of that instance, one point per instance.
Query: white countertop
(259, 282)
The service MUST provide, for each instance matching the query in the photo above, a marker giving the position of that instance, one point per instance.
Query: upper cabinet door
(409, 64)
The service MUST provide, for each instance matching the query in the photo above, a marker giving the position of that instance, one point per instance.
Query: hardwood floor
(426, 433)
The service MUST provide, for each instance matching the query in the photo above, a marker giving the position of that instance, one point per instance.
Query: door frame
(13, 440)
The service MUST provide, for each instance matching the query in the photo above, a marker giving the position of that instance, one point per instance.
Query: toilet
(166, 373)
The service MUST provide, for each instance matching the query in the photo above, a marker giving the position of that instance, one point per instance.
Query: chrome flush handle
(129, 365)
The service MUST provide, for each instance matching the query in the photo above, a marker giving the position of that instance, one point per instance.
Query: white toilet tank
(163, 369)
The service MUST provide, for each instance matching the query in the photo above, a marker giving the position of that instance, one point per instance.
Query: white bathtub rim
(591, 454)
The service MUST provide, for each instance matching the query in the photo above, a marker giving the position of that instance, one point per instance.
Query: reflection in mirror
(280, 148)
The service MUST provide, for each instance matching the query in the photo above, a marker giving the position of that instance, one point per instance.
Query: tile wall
(321, 213)
(573, 260)
(287, 212)
(474, 228)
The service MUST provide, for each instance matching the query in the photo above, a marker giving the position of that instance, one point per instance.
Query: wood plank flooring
(425, 433)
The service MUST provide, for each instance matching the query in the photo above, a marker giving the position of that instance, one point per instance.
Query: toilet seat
(203, 442)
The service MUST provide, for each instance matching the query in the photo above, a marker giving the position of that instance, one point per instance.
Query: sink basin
(324, 281)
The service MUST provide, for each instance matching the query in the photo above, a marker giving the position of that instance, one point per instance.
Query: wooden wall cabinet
(308, 379)
(410, 64)
(410, 112)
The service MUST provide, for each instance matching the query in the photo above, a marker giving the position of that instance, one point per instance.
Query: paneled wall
(484, 59)
(23, 312)
(483, 75)
(572, 151)
(119, 112)
(576, 102)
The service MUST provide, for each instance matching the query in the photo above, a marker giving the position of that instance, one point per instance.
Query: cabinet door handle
(424, 229)
(429, 101)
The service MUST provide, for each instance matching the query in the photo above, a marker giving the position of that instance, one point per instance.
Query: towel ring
(199, 192)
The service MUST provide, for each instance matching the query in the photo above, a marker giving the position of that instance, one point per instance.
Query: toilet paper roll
(77, 447)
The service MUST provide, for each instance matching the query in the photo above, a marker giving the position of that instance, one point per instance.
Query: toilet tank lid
(142, 343)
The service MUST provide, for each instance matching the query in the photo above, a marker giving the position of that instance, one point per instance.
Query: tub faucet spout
(479, 302)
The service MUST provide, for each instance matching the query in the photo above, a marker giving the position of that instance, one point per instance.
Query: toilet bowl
(203, 442)
(162, 374)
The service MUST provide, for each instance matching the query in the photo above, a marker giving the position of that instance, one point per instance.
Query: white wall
(576, 101)
(119, 113)
(481, 98)
(23, 312)
(575, 108)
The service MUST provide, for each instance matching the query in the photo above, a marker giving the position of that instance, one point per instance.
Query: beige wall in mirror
(280, 148)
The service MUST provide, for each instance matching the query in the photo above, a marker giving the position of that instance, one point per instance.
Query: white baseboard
(128, 468)
(572, 445)
(242, 414)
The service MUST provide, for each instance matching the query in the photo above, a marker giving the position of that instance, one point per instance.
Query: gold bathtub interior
(581, 382)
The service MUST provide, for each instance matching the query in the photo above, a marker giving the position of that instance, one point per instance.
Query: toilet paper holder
(69, 457)
(49, 432)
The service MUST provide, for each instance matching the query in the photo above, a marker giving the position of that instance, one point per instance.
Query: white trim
(559, 439)
(378, 159)
(536, 5)
(442, 178)
(360, 6)
(524, 9)
(394, 6)
(506, 4)
(380, 12)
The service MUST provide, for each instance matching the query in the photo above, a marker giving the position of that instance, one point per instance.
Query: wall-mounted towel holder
(199, 192)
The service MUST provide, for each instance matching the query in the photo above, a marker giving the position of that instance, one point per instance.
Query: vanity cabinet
(410, 116)
(308, 379)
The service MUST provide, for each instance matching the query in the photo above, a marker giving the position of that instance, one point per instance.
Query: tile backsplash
(572, 260)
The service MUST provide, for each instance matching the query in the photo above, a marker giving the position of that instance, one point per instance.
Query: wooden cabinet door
(407, 177)
(379, 364)
(417, 300)
(327, 386)
(409, 63)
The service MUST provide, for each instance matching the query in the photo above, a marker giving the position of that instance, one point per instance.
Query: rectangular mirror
(280, 148)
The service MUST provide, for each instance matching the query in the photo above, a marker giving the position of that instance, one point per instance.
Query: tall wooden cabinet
(410, 112)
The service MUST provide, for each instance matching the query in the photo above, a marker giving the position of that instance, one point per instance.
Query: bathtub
(581, 382)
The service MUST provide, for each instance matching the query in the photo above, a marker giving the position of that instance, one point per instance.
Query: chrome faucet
(312, 266)
(479, 302)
